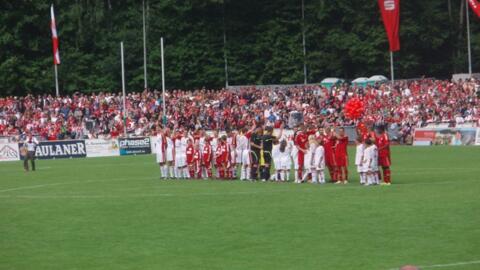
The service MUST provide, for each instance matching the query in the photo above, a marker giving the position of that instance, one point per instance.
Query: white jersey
(284, 158)
(242, 143)
(319, 158)
(276, 156)
(309, 156)
(169, 149)
(158, 143)
(359, 154)
(201, 144)
(181, 152)
(214, 144)
(370, 159)
(159, 148)
(31, 144)
(243, 150)
(180, 146)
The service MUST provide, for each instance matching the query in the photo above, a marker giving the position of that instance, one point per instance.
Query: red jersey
(341, 146)
(383, 144)
(329, 146)
(207, 153)
(221, 153)
(301, 140)
(196, 156)
(190, 152)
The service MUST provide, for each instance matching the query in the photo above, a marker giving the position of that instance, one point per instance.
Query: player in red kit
(383, 144)
(197, 159)
(190, 158)
(221, 157)
(329, 142)
(300, 140)
(341, 157)
(207, 158)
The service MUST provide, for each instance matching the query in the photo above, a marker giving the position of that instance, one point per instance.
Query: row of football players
(194, 155)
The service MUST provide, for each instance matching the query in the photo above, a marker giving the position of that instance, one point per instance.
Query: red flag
(475, 5)
(390, 10)
(56, 54)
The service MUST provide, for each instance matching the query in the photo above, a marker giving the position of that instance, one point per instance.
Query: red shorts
(330, 160)
(341, 161)
(384, 161)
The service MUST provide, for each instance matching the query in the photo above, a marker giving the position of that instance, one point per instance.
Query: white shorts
(160, 157)
(233, 156)
(360, 169)
(238, 157)
(285, 163)
(180, 160)
(307, 161)
(295, 159)
(245, 157)
(276, 163)
(319, 164)
(169, 153)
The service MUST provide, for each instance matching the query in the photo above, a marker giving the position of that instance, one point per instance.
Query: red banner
(390, 10)
(56, 54)
(475, 5)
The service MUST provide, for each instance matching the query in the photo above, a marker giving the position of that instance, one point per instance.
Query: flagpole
(123, 92)
(391, 69)
(468, 40)
(303, 43)
(57, 91)
(163, 80)
(225, 48)
(144, 48)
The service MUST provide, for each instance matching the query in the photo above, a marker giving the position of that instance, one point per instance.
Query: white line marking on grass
(451, 264)
(444, 265)
(72, 183)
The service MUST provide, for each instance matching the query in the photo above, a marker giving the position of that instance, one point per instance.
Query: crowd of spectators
(408, 105)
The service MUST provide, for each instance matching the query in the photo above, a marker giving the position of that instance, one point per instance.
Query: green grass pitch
(115, 213)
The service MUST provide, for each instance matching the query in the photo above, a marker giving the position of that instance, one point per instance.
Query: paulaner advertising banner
(135, 146)
(60, 149)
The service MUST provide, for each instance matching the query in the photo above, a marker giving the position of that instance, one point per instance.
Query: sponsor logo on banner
(135, 146)
(61, 149)
(102, 148)
(9, 152)
(389, 5)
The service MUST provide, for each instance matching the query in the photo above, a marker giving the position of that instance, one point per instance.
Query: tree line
(344, 39)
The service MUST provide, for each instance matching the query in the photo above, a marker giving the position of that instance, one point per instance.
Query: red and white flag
(56, 54)
(390, 10)
(475, 5)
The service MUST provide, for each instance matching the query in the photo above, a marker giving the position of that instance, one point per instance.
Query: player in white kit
(276, 160)
(159, 143)
(370, 163)
(181, 156)
(309, 158)
(359, 152)
(169, 155)
(243, 158)
(231, 146)
(214, 143)
(294, 155)
(319, 165)
(285, 160)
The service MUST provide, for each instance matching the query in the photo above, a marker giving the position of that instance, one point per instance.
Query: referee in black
(255, 150)
(30, 144)
(267, 143)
